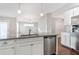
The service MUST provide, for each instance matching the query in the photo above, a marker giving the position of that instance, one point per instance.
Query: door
(7, 51)
(3, 29)
(37, 48)
(23, 50)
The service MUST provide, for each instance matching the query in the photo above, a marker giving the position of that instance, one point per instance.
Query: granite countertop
(30, 36)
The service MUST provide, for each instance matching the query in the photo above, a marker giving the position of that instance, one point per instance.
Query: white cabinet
(23, 50)
(7, 47)
(71, 12)
(30, 46)
(75, 11)
(7, 51)
(78, 10)
(67, 18)
(37, 48)
(68, 28)
(73, 42)
(65, 39)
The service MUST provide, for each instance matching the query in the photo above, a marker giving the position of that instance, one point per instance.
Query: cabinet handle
(13, 47)
(31, 44)
(5, 43)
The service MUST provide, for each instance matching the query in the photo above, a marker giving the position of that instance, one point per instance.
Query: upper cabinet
(67, 18)
(69, 14)
(76, 11)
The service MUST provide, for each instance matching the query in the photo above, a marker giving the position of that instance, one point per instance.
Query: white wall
(46, 24)
(50, 24)
(42, 24)
(59, 25)
(55, 25)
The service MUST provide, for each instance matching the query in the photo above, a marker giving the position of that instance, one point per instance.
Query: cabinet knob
(32, 44)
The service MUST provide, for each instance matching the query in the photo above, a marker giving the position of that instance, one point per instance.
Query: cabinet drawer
(29, 43)
(28, 40)
(6, 43)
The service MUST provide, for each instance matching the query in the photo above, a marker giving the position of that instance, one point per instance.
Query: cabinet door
(67, 40)
(73, 42)
(67, 18)
(7, 51)
(75, 11)
(37, 48)
(78, 10)
(71, 12)
(23, 50)
(63, 39)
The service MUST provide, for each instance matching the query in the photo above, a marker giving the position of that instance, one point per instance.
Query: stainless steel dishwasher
(50, 45)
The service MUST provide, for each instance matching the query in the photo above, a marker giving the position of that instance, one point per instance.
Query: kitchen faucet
(30, 31)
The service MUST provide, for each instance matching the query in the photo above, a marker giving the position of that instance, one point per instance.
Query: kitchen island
(41, 44)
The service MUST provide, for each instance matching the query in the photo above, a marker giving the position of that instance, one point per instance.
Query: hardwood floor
(62, 50)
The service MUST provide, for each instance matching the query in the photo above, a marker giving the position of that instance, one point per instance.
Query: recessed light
(41, 14)
(19, 11)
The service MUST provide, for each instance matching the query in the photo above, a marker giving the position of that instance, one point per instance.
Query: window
(23, 28)
(3, 30)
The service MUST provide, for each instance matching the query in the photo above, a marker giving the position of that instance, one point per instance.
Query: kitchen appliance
(50, 45)
(75, 28)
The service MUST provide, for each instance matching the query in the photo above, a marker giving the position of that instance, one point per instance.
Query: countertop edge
(28, 37)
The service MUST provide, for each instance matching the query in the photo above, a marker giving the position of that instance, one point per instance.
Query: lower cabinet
(7, 51)
(34, 48)
(73, 42)
(23, 50)
(37, 48)
(31, 46)
(65, 39)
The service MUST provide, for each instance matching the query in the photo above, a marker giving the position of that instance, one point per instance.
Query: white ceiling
(10, 9)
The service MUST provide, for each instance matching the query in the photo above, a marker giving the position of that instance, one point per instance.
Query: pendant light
(19, 8)
(41, 14)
